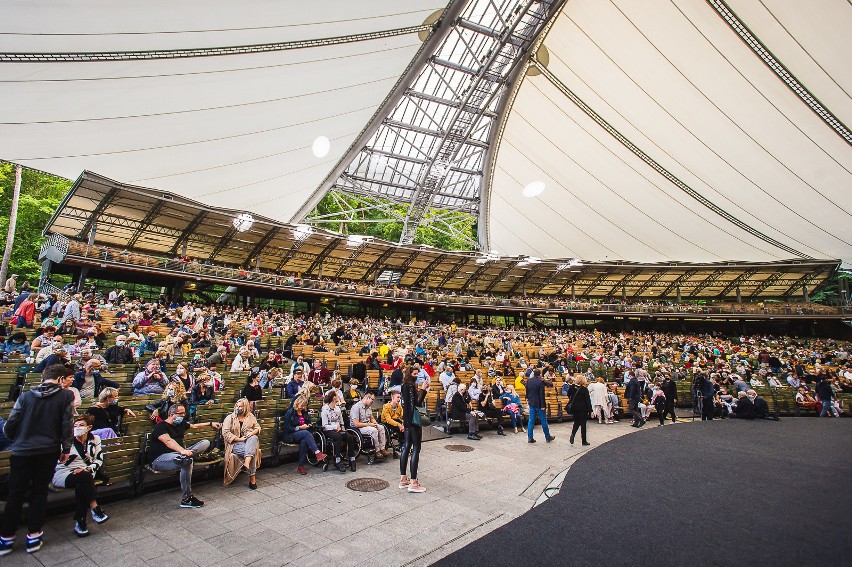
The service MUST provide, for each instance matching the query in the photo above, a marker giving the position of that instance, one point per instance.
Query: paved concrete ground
(315, 520)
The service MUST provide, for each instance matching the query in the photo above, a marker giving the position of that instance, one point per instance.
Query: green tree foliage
(40, 196)
(432, 232)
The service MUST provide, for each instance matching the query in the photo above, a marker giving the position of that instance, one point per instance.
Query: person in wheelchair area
(297, 429)
(332, 427)
(392, 417)
(361, 418)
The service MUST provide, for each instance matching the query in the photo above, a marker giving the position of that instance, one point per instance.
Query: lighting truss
(427, 147)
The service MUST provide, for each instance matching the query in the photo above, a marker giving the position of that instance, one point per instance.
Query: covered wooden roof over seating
(114, 214)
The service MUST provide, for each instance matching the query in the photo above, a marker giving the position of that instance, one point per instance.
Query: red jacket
(27, 311)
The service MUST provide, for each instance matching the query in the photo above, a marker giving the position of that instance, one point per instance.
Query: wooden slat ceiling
(156, 222)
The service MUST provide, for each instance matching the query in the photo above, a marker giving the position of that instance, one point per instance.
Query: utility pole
(13, 219)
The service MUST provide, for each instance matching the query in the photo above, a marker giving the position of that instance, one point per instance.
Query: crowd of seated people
(479, 373)
(193, 265)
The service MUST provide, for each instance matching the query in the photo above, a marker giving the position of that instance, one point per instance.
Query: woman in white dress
(598, 394)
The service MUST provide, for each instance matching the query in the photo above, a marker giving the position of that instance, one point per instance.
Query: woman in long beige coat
(242, 443)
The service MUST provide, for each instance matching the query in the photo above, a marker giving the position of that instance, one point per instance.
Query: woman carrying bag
(412, 435)
(580, 408)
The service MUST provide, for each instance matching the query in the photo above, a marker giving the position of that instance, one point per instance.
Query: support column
(805, 293)
(177, 289)
(84, 271)
(46, 267)
(573, 293)
(739, 295)
(678, 294)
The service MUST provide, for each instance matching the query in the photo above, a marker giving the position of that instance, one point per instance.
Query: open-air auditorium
(462, 283)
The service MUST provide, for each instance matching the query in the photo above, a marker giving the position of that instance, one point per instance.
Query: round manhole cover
(459, 448)
(367, 484)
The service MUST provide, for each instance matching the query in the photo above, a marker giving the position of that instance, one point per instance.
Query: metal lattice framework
(427, 147)
(162, 226)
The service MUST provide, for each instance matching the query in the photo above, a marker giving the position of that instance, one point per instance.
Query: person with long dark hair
(581, 407)
(412, 436)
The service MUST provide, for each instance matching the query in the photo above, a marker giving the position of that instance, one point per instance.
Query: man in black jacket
(745, 409)
(536, 401)
(40, 424)
(707, 392)
(670, 391)
(761, 408)
(119, 353)
(825, 395)
(633, 393)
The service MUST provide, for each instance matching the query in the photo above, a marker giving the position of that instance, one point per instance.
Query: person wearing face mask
(151, 380)
(89, 380)
(108, 414)
(55, 354)
(183, 376)
(49, 347)
(16, 344)
(119, 353)
(242, 443)
(166, 452)
(172, 395)
(78, 472)
(85, 356)
(202, 393)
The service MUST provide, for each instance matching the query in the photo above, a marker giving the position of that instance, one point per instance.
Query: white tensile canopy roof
(706, 155)
(232, 130)
(677, 82)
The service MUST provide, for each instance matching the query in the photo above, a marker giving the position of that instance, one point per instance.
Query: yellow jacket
(391, 416)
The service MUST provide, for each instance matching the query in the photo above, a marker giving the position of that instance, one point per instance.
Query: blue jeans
(170, 462)
(306, 443)
(826, 408)
(542, 417)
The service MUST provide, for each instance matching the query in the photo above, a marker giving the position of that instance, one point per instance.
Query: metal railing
(555, 304)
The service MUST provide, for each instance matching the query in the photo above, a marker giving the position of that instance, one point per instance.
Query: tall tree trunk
(13, 219)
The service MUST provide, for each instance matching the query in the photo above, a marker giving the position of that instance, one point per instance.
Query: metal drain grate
(459, 448)
(367, 484)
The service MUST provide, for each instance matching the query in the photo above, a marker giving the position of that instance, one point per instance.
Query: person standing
(72, 310)
(708, 395)
(412, 436)
(581, 406)
(670, 392)
(825, 394)
(633, 393)
(535, 400)
(40, 427)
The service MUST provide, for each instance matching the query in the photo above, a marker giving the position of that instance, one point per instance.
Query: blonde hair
(581, 381)
(245, 403)
(107, 393)
(180, 391)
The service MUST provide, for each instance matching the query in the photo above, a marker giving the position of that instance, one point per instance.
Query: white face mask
(181, 371)
(80, 431)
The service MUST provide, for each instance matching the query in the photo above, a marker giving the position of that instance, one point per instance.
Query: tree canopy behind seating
(447, 230)
(40, 195)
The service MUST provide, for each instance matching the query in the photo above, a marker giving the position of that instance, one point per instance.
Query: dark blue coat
(535, 393)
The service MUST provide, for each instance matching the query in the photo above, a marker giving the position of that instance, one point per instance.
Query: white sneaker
(416, 488)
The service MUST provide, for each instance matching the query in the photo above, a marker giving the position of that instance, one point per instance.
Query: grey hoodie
(42, 421)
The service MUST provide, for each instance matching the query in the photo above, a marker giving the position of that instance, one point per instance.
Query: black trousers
(668, 410)
(411, 440)
(633, 409)
(84, 492)
(579, 423)
(707, 409)
(28, 473)
(339, 439)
